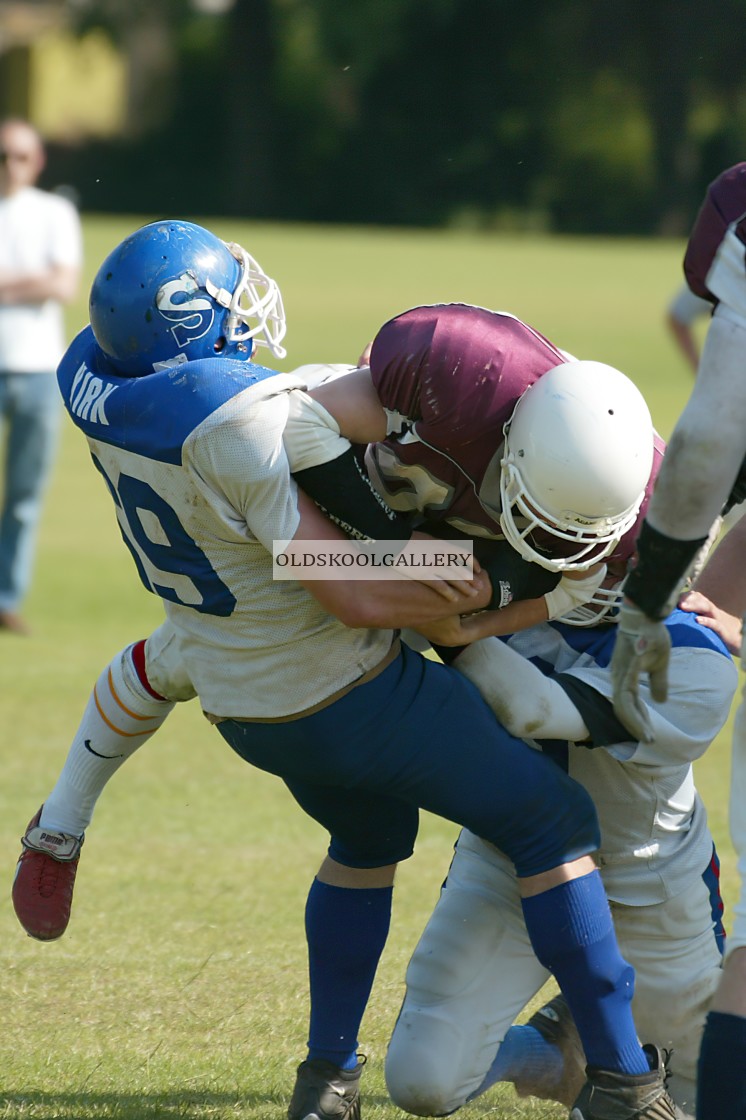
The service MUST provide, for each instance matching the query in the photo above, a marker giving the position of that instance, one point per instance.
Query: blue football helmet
(173, 292)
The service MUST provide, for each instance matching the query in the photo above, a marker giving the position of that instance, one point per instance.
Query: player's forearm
(58, 283)
(381, 603)
(652, 586)
(516, 616)
(698, 471)
(389, 604)
(484, 624)
(528, 704)
(521, 614)
(707, 446)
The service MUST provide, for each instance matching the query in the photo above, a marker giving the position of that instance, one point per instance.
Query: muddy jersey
(193, 459)
(654, 833)
(449, 377)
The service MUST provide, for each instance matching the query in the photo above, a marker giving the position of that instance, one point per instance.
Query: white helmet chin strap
(256, 297)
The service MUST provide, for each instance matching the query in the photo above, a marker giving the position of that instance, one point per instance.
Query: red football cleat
(44, 880)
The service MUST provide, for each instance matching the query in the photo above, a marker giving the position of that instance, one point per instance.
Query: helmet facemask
(255, 308)
(559, 542)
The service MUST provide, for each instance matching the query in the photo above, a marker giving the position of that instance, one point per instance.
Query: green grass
(179, 990)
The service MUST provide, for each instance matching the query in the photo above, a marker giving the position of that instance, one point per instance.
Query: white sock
(120, 716)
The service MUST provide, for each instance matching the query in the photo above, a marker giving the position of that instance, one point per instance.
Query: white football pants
(473, 971)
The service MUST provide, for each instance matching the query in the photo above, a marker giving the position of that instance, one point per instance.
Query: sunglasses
(17, 157)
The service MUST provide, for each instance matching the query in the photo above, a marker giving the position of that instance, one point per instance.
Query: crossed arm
(58, 282)
(387, 604)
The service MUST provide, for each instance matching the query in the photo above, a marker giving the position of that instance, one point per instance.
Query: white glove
(642, 646)
(571, 593)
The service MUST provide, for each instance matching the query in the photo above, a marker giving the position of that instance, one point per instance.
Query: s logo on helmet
(191, 315)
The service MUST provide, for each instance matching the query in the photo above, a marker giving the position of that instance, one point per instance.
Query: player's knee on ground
(424, 1074)
(459, 1001)
(433, 1047)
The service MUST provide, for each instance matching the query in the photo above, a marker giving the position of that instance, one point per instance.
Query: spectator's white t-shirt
(37, 230)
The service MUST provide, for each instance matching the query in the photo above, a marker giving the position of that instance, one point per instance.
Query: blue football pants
(419, 736)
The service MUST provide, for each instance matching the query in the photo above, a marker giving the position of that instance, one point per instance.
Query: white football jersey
(654, 831)
(194, 461)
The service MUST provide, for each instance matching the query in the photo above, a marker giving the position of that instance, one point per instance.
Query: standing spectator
(681, 314)
(40, 255)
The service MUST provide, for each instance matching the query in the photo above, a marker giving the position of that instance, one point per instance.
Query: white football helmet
(577, 457)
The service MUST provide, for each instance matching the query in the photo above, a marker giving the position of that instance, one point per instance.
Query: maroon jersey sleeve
(724, 205)
(456, 371)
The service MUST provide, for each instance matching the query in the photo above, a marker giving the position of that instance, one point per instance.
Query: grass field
(179, 989)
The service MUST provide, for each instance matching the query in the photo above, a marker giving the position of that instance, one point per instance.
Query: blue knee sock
(526, 1055)
(572, 935)
(721, 1078)
(346, 930)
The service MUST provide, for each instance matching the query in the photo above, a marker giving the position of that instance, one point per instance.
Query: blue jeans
(30, 408)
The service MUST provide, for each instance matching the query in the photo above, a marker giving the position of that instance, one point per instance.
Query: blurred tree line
(568, 115)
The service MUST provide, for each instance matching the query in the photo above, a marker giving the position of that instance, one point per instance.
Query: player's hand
(473, 594)
(475, 589)
(642, 646)
(727, 626)
(457, 630)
